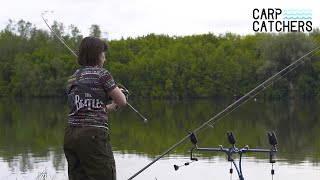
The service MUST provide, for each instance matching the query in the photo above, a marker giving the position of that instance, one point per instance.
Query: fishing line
(61, 40)
(185, 146)
(172, 63)
(209, 78)
(236, 104)
(195, 73)
(46, 21)
(298, 65)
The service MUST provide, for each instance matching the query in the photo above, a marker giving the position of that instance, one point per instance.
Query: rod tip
(145, 120)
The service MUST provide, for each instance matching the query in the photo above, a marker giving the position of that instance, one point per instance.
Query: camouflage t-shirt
(86, 109)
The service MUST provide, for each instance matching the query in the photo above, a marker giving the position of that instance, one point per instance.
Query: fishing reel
(126, 93)
(124, 90)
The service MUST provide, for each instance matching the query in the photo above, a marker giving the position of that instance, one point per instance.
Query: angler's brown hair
(89, 51)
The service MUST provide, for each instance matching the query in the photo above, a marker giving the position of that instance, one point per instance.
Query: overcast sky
(123, 18)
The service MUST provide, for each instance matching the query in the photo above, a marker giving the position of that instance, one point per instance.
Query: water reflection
(32, 130)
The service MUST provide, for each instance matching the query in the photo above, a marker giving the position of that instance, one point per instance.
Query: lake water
(32, 134)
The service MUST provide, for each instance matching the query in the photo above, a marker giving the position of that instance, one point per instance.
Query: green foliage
(33, 62)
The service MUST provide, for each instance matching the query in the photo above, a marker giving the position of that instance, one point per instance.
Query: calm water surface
(32, 135)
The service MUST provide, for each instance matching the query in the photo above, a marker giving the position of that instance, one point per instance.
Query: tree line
(34, 63)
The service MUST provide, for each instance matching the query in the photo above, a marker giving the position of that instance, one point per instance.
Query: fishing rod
(61, 40)
(214, 81)
(237, 104)
(126, 90)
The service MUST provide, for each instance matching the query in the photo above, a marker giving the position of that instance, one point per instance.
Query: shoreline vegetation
(34, 63)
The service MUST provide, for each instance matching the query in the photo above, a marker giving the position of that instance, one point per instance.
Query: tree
(33, 62)
(95, 31)
(24, 29)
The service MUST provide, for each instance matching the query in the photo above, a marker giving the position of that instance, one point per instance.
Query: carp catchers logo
(278, 20)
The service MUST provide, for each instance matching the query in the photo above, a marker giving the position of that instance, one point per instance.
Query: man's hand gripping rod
(46, 21)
